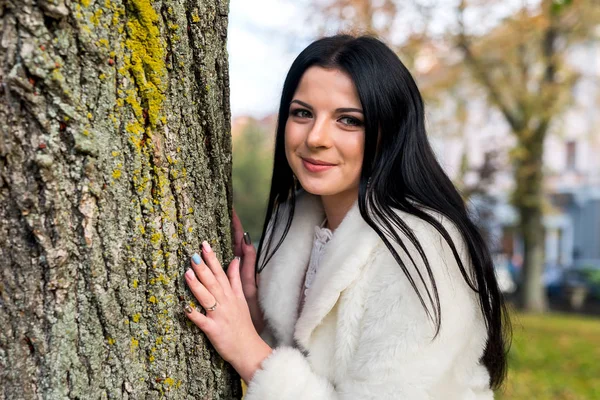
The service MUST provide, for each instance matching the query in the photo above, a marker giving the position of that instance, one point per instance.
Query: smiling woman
(324, 143)
(371, 281)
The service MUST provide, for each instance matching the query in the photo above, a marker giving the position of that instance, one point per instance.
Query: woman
(374, 282)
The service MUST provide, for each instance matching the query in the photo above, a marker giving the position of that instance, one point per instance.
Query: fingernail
(206, 247)
(189, 272)
(247, 238)
(237, 258)
(196, 259)
(187, 309)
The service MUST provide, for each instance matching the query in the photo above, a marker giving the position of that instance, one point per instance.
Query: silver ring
(212, 308)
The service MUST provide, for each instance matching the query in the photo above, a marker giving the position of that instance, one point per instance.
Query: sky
(264, 38)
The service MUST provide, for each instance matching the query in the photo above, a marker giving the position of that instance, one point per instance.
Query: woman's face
(326, 126)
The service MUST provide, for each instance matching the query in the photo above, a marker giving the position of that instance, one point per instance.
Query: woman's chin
(320, 189)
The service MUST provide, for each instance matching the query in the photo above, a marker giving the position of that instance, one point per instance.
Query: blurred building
(463, 126)
(573, 178)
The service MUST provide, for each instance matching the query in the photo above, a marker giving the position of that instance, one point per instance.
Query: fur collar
(281, 281)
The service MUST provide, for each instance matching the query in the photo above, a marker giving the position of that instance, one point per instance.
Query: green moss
(95, 18)
(103, 43)
(155, 238)
(169, 381)
(132, 100)
(163, 279)
(135, 131)
(57, 75)
(145, 61)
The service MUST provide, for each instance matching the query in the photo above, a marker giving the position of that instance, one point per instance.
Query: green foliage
(558, 5)
(252, 167)
(553, 357)
(591, 275)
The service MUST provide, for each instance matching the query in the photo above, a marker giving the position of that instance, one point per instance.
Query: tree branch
(513, 119)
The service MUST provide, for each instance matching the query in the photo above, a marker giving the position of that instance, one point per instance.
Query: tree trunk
(528, 199)
(115, 163)
(533, 293)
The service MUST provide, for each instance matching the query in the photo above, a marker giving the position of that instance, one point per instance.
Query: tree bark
(115, 163)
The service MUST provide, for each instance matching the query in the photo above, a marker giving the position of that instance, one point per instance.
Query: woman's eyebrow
(338, 110)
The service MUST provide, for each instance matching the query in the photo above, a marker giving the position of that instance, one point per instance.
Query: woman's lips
(314, 167)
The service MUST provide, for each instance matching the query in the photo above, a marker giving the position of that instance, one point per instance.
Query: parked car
(504, 274)
(576, 283)
(582, 281)
(553, 279)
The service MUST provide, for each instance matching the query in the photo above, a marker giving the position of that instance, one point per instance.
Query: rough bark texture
(115, 163)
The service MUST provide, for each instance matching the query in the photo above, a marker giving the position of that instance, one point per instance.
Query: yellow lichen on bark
(145, 60)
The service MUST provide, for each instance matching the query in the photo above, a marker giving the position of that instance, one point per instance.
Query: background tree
(517, 59)
(115, 163)
(252, 168)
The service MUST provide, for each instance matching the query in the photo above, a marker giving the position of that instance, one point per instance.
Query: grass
(553, 357)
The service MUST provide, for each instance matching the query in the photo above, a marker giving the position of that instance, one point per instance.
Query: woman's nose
(319, 135)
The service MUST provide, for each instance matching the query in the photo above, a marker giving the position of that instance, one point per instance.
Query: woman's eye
(351, 121)
(300, 113)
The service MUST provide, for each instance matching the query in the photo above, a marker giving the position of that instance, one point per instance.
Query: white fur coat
(363, 333)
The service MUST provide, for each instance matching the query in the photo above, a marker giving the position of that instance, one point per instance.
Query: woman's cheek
(289, 147)
(294, 136)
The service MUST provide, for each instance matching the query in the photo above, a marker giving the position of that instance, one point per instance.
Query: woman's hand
(227, 322)
(246, 251)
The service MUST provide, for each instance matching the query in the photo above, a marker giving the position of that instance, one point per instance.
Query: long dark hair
(402, 173)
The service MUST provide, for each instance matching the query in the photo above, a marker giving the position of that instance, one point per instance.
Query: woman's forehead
(325, 87)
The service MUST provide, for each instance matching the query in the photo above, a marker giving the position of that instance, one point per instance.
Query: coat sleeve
(398, 355)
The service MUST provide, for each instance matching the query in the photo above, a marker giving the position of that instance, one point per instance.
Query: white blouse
(321, 237)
